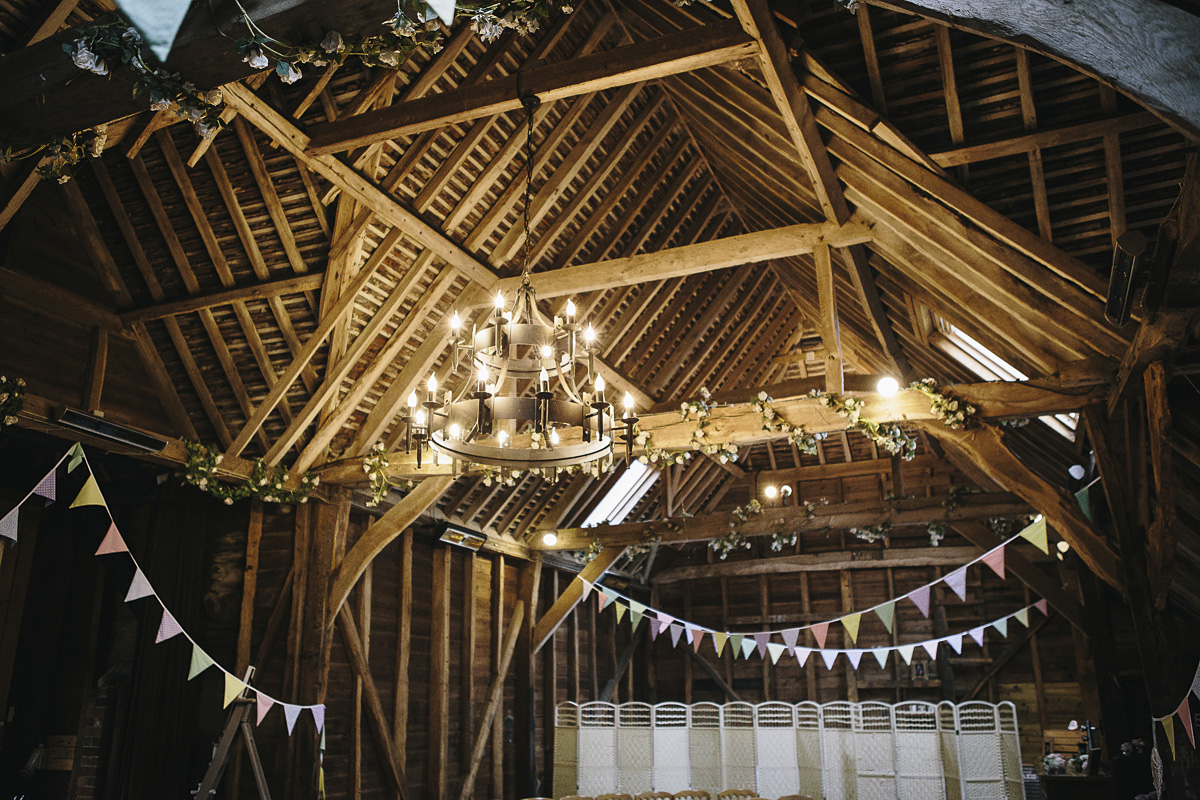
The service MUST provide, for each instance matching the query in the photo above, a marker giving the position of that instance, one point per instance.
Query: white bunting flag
(906, 652)
(676, 632)
(955, 642)
(881, 655)
(957, 581)
(48, 488)
(855, 657)
(931, 648)
(802, 654)
(829, 656)
(585, 590)
(290, 714)
(168, 628)
(747, 647)
(776, 650)
(8, 525)
(977, 635)
(139, 587)
(318, 712)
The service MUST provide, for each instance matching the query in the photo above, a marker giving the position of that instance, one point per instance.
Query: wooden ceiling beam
(715, 44)
(565, 603)
(1050, 137)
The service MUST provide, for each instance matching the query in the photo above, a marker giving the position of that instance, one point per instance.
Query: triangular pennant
(802, 654)
(881, 655)
(637, 607)
(977, 634)
(159, 21)
(855, 657)
(139, 587)
(262, 707)
(200, 662)
(1041, 606)
(887, 613)
(957, 581)
(1184, 712)
(850, 623)
(654, 628)
(318, 712)
(621, 609)
(635, 619)
(760, 642)
(747, 647)
(76, 454)
(829, 656)
(676, 632)
(601, 600)
(48, 488)
(1035, 534)
(906, 652)
(955, 642)
(89, 495)
(290, 714)
(168, 628)
(719, 638)
(995, 560)
(233, 687)
(1002, 626)
(920, 599)
(819, 632)
(1168, 724)
(1085, 501)
(931, 648)
(8, 525)
(444, 9)
(586, 590)
(735, 643)
(699, 637)
(790, 636)
(689, 632)
(112, 542)
(776, 650)
(666, 619)
(1023, 617)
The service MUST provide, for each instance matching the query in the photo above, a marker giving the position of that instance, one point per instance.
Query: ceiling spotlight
(1063, 547)
(887, 386)
(770, 492)
(1077, 471)
(549, 539)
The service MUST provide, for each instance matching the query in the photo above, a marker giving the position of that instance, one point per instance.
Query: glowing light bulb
(1063, 547)
(628, 402)
(547, 351)
(570, 309)
(786, 491)
(502, 437)
(600, 384)
(549, 539)
(553, 436)
(455, 430)
(455, 322)
(432, 384)
(887, 386)
(589, 335)
(420, 418)
(412, 400)
(483, 373)
(771, 492)
(544, 376)
(499, 301)
(1077, 471)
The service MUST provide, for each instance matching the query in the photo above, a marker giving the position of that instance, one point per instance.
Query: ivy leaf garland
(12, 399)
(265, 483)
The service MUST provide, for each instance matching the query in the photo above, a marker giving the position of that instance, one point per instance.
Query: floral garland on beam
(701, 409)
(954, 413)
(12, 399)
(375, 465)
(266, 483)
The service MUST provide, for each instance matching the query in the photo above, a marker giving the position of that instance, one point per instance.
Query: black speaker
(1125, 277)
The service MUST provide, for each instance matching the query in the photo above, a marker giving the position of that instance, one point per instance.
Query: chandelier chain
(531, 102)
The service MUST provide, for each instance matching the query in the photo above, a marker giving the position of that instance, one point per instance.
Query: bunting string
(141, 588)
(1182, 712)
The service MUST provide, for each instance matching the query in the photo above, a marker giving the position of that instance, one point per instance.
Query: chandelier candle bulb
(432, 387)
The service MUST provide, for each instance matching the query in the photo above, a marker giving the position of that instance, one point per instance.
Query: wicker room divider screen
(838, 751)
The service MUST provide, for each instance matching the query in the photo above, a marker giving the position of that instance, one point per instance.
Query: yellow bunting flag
(850, 622)
(621, 608)
(1023, 617)
(1168, 724)
(233, 687)
(719, 638)
(1035, 534)
(89, 495)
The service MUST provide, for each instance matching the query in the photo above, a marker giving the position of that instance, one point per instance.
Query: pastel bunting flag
(802, 654)
(654, 628)
(139, 587)
(881, 655)
(1035, 534)
(850, 623)
(635, 619)
(233, 687)
(1041, 606)
(1085, 501)
(995, 560)
(790, 636)
(760, 642)
(931, 648)
(776, 650)
(601, 600)
(1022, 617)
(906, 652)
(719, 638)
(955, 642)
(445, 9)
(1002, 626)
(200, 662)
(1196, 681)
(112, 542)
(699, 637)
(747, 647)
(829, 656)
(735, 643)
(887, 614)
(855, 657)
(318, 712)
(1168, 724)
(89, 495)
(637, 607)
(262, 706)
(290, 714)
(168, 628)
(8, 525)
(48, 488)
(586, 590)
(620, 609)
(819, 631)
(76, 454)
(688, 632)
(665, 619)
(920, 599)
(957, 581)
(1184, 712)
(676, 632)
(977, 634)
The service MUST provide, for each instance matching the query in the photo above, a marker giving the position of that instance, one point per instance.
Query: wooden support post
(439, 674)
(524, 715)
(403, 652)
(549, 684)
(467, 656)
(498, 640)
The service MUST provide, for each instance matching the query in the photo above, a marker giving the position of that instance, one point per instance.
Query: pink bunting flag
(318, 712)
(696, 639)
(48, 488)
(1041, 606)
(761, 640)
(654, 629)
(855, 657)
(262, 706)
(920, 599)
(8, 525)
(168, 628)
(829, 656)
(586, 590)
(139, 587)
(665, 619)
(112, 543)
(1185, 716)
(790, 636)
(802, 654)
(820, 631)
(601, 600)
(995, 560)
(977, 634)
(957, 581)
(931, 648)
(290, 714)
(676, 632)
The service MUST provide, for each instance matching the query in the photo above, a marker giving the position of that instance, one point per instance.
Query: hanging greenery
(701, 410)
(953, 413)
(734, 540)
(375, 465)
(888, 435)
(12, 399)
(266, 483)
(589, 555)
(772, 420)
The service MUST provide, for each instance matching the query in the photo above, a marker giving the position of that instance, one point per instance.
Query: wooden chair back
(795, 797)
(614, 797)
(653, 796)
(692, 794)
(737, 794)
